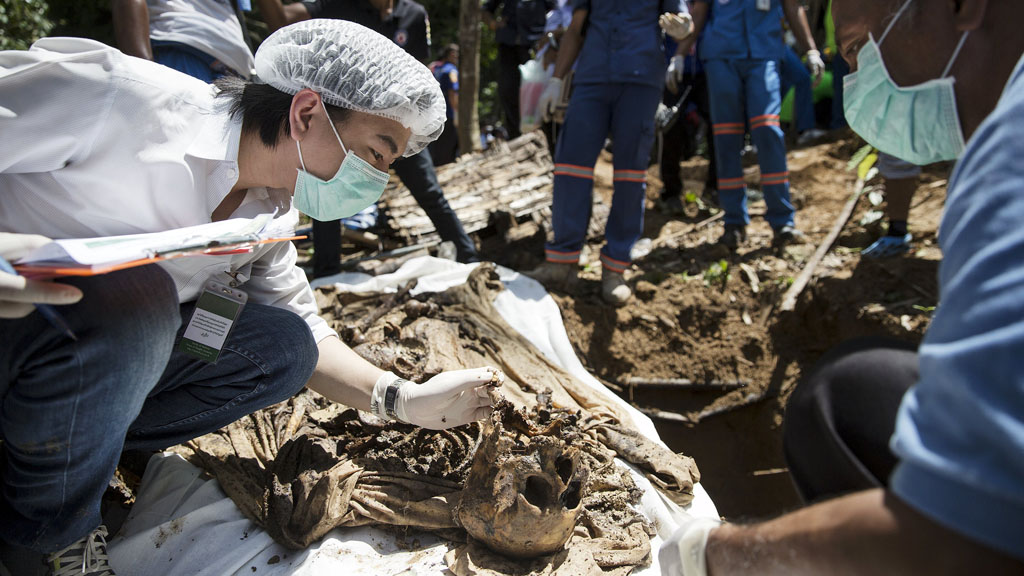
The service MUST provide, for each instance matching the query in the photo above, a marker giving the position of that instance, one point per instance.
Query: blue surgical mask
(356, 186)
(918, 124)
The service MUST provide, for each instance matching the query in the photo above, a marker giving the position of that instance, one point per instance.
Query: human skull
(523, 493)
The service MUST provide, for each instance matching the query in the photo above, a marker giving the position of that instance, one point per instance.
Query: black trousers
(510, 56)
(445, 149)
(417, 173)
(839, 420)
(680, 142)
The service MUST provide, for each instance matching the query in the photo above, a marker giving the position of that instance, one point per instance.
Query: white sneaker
(86, 557)
(614, 289)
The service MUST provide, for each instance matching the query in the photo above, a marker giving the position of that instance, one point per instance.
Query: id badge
(764, 5)
(216, 312)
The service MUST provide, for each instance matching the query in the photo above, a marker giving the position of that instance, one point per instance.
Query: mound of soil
(710, 316)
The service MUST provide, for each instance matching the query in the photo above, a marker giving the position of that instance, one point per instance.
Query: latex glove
(19, 294)
(816, 65)
(683, 553)
(674, 74)
(549, 98)
(447, 400)
(678, 26)
(888, 246)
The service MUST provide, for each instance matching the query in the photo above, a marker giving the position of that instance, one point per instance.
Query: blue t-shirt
(447, 76)
(738, 29)
(623, 41)
(960, 430)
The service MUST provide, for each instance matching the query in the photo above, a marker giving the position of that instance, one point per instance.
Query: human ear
(300, 114)
(968, 14)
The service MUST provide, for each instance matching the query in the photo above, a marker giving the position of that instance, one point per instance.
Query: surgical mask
(356, 186)
(918, 124)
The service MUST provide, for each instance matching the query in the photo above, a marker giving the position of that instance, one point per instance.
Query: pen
(48, 312)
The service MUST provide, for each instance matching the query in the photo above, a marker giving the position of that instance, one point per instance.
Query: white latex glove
(816, 65)
(674, 74)
(549, 98)
(683, 553)
(18, 294)
(447, 400)
(678, 26)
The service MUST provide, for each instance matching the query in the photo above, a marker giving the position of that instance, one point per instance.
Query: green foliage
(717, 273)
(85, 18)
(22, 22)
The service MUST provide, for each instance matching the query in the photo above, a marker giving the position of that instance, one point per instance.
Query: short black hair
(263, 108)
(449, 50)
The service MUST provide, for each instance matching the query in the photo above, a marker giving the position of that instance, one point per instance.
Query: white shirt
(209, 26)
(96, 143)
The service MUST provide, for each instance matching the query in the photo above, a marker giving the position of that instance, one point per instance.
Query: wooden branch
(791, 296)
(684, 383)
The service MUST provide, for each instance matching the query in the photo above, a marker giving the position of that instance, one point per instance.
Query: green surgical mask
(356, 186)
(918, 124)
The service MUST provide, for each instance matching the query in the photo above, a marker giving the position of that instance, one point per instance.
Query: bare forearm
(569, 47)
(870, 532)
(797, 19)
(343, 376)
(699, 13)
(131, 27)
(277, 15)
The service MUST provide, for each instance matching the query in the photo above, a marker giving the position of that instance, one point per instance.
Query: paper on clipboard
(92, 256)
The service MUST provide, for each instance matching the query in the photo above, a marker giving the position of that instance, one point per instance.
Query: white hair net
(353, 67)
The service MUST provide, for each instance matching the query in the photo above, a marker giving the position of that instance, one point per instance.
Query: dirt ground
(695, 319)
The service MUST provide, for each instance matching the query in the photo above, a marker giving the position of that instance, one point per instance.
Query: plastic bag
(534, 79)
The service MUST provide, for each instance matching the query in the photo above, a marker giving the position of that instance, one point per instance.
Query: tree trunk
(469, 75)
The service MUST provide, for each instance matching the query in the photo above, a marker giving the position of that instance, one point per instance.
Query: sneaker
(556, 275)
(86, 557)
(811, 136)
(614, 289)
(786, 235)
(733, 236)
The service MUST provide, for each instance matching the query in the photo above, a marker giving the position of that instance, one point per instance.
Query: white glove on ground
(18, 294)
(674, 74)
(683, 553)
(447, 400)
(549, 98)
(816, 65)
(678, 26)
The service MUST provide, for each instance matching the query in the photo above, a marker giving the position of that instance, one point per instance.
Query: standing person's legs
(418, 175)
(65, 406)
(763, 102)
(792, 72)
(583, 134)
(672, 144)
(509, 58)
(632, 127)
(702, 101)
(839, 420)
(445, 149)
(326, 247)
(267, 358)
(725, 86)
(839, 70)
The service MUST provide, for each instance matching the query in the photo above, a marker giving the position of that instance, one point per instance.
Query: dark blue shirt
(523, 20)
(447, 76)
(407, 26)
(623, 42)
(737, 29)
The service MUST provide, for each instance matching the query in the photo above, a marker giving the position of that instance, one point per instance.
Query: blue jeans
(67, 409)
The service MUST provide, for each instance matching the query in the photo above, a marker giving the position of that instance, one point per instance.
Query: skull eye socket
(564, 467)
(538, 492)
(570, 499)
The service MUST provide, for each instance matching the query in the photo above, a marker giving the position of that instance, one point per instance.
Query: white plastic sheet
(183, 524)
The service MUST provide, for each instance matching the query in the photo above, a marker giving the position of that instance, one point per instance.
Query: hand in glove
(19, 294)
(683, 553)
(549, 98)
(678, 26)
(447, 400)
(888, 246)
(674, 74)
(816, 65)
